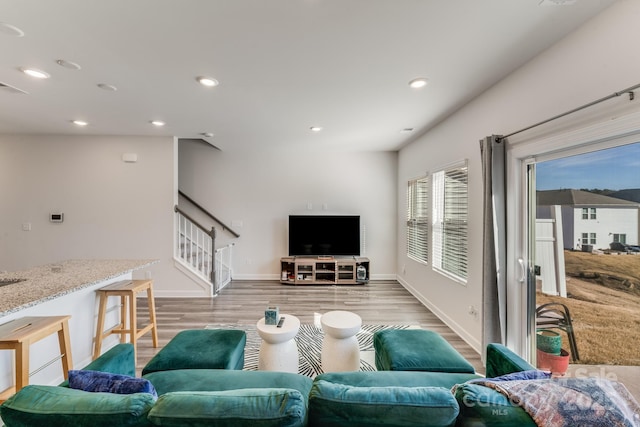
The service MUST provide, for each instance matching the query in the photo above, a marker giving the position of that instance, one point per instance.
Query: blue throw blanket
(95, 381)
(570, 402)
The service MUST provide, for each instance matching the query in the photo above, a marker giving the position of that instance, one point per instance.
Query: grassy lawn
(604, 300)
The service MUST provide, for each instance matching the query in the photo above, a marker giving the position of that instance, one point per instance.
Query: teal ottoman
(417, 350)
(201, 349)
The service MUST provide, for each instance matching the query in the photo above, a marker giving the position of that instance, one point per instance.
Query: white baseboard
(462, 333)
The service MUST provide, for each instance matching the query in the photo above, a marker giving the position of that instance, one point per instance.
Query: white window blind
(418, 219)
(450, 221)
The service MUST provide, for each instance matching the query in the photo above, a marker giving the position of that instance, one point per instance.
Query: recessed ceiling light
(315, 128)
(207, 134)
(104, 86)
(80, 123)
(68, 64)
(207, 81)
(418, 82)
(38, 74)
(158, 123)
(10, 30)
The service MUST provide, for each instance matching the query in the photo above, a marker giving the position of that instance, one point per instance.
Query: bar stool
(19, 334)
(126, 290)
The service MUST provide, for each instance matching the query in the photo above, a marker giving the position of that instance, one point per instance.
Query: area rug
(309, 341)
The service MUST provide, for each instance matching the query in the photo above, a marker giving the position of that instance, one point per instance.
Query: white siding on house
(609, 221)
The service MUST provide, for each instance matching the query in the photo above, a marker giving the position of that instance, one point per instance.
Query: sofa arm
(502, 361)
(42, 405)
(117, 360)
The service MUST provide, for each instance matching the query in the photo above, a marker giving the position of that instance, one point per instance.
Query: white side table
(278, 351)
(340, 349)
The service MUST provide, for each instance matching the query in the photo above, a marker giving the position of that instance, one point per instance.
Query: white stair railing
(194, 248)
(223, 267)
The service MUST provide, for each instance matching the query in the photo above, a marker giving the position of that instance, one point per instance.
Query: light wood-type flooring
(244, 302)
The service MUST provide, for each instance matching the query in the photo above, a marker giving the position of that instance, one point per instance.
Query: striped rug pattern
(309, 341)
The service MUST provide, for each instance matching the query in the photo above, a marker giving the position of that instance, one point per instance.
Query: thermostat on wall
(56, 217)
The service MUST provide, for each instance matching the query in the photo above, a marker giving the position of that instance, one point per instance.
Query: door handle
(523, 274)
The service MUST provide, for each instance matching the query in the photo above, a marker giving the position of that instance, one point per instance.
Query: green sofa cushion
(222, 379)
(41, 405)
(119, 359)
(273, 407)
(484, 406)
(201, 349)
(332, 404)
(397, 378)
(417, 350)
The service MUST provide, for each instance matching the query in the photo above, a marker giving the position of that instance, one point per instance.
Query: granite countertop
(50, 281)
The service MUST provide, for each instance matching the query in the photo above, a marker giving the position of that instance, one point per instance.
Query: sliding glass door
(570, 209)
(586, 255)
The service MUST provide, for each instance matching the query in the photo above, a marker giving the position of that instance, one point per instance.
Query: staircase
(194, 252)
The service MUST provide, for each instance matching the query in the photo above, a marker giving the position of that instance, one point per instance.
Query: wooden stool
(19, 334)
(126, 290)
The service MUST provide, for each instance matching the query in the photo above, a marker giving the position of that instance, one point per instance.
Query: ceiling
(283, 66)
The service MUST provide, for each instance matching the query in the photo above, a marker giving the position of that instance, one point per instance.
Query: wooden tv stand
(300, 270)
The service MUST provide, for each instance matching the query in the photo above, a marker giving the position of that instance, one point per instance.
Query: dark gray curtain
(494, 313)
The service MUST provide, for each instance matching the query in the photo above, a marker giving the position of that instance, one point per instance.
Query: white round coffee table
(340, 349)
(278, 351)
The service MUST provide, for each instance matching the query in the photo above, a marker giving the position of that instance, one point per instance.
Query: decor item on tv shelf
(322, 235)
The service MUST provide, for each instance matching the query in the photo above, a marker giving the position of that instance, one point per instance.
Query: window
(449, 219)
(620, 238)
(588, 238)
(418, 219)
(589, 213)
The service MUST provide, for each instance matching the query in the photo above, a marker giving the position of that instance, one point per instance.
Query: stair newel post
(212, 255)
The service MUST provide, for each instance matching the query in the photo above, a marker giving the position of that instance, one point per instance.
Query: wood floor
(244, 302)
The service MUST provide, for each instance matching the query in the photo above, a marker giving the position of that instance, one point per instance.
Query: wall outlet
(26, 226)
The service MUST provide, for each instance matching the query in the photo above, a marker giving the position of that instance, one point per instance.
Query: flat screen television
(317, 235)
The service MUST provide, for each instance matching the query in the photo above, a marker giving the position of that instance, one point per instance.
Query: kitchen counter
(46, 282)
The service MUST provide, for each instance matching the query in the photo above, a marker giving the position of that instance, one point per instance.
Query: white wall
(111, 209)
(260, 189)
(595, 61)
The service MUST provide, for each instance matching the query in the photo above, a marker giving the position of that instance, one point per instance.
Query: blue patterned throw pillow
(95, 381)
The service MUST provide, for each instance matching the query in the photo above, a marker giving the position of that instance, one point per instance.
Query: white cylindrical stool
(278, 351)
(340, 349)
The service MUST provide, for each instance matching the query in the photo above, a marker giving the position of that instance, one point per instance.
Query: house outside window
(588, 238)
(418, 219)
(589, 213)
(620, 238)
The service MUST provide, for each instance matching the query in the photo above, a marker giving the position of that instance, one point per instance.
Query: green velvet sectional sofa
(196, 396)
